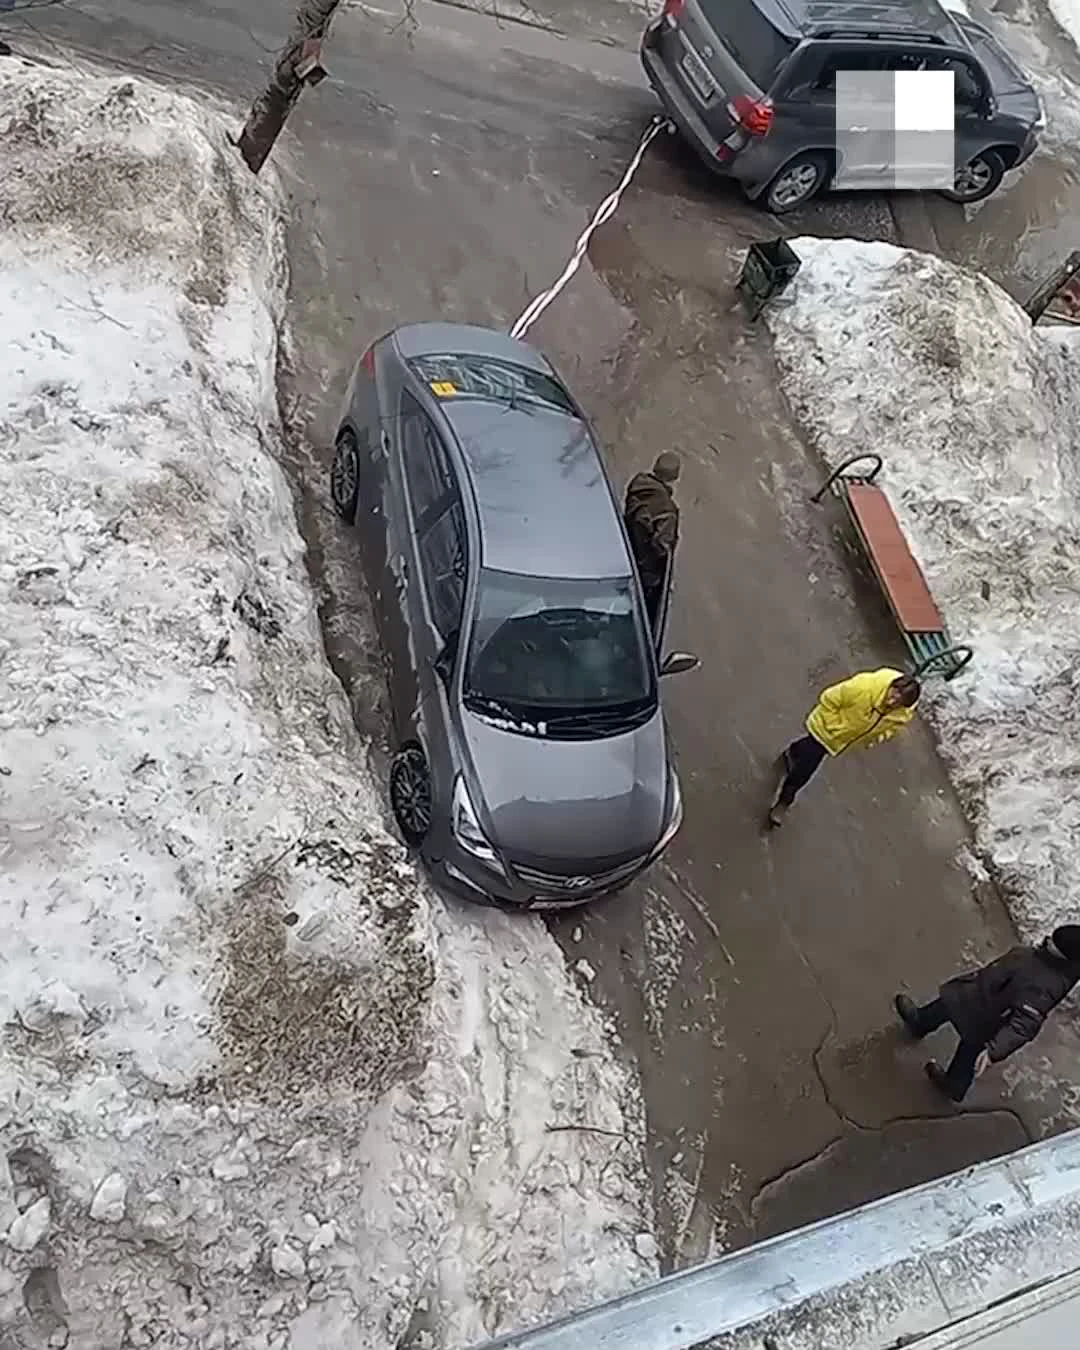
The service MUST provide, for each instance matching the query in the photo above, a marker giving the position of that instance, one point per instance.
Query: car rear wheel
(410, 794)
(345, 476)
(800, 179)
(978, 178)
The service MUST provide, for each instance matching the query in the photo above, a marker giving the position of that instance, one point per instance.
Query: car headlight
(671, 829)
(467, 829)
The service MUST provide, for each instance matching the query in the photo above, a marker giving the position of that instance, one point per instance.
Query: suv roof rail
(907, 34)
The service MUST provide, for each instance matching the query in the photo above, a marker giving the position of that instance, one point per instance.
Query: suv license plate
(699, 77)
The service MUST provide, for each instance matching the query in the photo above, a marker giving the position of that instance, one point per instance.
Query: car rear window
(456, 376)
(745, 31)
(1002, 70)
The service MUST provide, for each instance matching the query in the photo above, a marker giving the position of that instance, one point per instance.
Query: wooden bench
(899, 575)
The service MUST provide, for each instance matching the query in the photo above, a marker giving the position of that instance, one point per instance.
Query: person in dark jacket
(652, 522)
(996, 1009)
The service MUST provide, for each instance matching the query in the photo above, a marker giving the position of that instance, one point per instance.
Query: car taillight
(368, 360)
(752, 114)
(673, 8)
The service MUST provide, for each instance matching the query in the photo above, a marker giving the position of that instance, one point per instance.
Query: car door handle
(385, 443)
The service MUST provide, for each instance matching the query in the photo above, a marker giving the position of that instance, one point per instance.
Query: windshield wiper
(626, 715)
(528, 403)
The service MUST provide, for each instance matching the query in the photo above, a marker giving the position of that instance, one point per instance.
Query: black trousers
(960, 1074)
(803, 757)
(653, 589)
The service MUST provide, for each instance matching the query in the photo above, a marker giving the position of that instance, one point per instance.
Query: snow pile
(257, 1087)
(1067, 13)
(977, 417)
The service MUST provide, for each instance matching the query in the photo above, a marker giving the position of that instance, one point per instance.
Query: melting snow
(666, 941)
(1067, 13)
(975, 414)
(258, 1087)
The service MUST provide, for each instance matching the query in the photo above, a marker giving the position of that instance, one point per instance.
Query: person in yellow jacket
(864, 710)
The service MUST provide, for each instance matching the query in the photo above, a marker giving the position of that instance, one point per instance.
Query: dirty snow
(976, 415)
(666, 940)
(258, 1087)
(1067, 13)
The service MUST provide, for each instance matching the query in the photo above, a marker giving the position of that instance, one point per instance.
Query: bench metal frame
(933, 652)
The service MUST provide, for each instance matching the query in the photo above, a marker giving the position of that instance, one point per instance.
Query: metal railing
(887, 1274)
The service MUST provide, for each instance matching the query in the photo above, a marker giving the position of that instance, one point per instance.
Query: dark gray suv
(532, 766)
(751, 84)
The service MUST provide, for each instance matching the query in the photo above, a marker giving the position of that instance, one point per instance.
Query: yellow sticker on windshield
(443, 388)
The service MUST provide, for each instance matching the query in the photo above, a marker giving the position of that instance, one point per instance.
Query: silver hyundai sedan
(532, 766)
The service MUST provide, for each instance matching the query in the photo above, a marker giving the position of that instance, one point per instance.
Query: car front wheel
(410, 794)
(345, 476)
(978, 178)
(800, 179)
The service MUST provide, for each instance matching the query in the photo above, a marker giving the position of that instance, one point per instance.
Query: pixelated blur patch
(443, 388)
(896, 129)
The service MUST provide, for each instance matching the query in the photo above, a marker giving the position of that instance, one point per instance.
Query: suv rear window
(1002, 70)
(748, 35)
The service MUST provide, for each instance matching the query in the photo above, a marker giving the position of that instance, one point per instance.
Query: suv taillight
(673, 8)
(752, 114)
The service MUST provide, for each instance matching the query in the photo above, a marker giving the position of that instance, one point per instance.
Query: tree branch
(299, 64)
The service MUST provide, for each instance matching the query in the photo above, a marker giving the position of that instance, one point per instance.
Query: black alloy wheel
(410, 794)
(797, 182)
(345, 476)
(977, 179)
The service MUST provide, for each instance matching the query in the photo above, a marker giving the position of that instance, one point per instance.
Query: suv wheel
(978, 178)
(410, 794)
(345, 476)
(800, 179)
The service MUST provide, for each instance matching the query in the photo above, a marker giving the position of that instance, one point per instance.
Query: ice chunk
(55, 1007)
(645, 1246)
(110, 1199)
(287, 1262)
(325, 1236)
(30, 1227)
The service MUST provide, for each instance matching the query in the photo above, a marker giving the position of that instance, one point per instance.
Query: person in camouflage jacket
(652, 522)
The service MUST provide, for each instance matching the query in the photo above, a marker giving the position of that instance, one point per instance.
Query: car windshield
(748, 35)
(547, 648)
(486, 378)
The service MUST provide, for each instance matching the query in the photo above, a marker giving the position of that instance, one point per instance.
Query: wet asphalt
(445, 171)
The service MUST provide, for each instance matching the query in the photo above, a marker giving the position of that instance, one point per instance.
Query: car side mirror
(678, 663)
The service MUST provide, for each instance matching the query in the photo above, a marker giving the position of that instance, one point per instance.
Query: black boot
(940, 1080)
(778, 810)
(776, 815)
(908, 1012)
